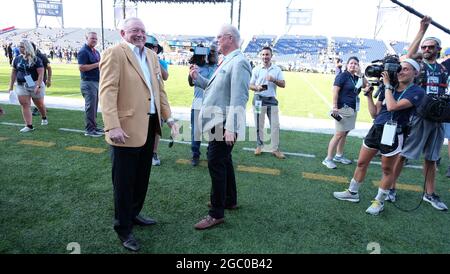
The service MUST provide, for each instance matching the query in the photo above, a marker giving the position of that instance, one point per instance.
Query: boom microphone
(418, 14)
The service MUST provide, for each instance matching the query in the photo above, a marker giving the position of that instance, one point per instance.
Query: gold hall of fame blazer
(125, 95)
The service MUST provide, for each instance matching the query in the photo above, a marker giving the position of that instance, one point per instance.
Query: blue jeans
(89, 90)
(195, 136)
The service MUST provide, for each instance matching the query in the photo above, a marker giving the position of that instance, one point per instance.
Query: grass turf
(52, 196)
(306, 94)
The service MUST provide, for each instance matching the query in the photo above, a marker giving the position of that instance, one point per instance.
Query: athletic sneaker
(375, 208)
(347, 195)
(26, 129)
(44, 122)
(329, 164)
(94, 134)
(342, 160)
(434, 200)
(391, 196)
(155, 160)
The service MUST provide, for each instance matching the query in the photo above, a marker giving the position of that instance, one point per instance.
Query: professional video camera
(391, 64)
(199, 57)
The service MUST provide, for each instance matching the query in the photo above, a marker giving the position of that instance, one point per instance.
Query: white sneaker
(391, 196)
(155, 160)
(346, 195)
(26, 129)
(435, 201)
(342, 160)
(329, 164)
(375, 208)
(44, 122)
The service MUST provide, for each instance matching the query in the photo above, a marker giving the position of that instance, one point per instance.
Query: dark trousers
(89, 90)
(131, 168)
(195, 141)
(220, 166)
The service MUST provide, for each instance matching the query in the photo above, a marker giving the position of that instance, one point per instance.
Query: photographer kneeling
(391, 115)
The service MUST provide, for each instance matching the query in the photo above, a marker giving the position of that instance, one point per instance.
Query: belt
(20, 83)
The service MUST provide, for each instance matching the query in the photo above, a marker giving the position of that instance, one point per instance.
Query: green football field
(56, 190)
(306, 94)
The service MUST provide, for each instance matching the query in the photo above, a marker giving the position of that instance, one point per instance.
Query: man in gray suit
(222, 116)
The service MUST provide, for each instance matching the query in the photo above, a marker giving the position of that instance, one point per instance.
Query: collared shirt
(142, 60)
(259, 78)
(87, 56)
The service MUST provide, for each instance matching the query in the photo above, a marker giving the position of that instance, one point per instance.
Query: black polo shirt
(87, 56)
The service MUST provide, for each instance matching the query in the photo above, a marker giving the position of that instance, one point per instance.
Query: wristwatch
(389, 86)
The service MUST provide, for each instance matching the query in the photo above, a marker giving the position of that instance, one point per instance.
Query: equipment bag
(435, 108)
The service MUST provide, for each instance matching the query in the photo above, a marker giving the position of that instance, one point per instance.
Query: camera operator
(346, 89)
(391, 115)
(426, 136)
(205, 69)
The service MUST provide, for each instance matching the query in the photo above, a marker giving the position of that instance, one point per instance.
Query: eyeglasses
(432, 47)
(223, 35)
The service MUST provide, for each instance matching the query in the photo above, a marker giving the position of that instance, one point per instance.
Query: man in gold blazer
(133, 100)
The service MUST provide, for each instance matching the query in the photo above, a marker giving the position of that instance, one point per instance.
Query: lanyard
(433, 69)
(400, 97)
(355, 90)
(24, 66)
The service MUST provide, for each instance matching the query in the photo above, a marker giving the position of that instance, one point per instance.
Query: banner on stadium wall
(299, 17)
(7, 29)
(49, 8)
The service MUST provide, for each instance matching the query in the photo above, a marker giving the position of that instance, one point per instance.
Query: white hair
(227, 28)
(127, 21)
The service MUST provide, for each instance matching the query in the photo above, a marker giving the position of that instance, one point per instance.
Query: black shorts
(373, 141)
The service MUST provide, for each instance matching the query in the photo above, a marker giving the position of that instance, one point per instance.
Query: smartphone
(337, 117)
(264, 87)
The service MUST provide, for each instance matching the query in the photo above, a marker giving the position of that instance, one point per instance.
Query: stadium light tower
(45, 8)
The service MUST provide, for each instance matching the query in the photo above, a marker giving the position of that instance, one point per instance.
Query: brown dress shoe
(278, 154)
(208, 222)
(258, 151)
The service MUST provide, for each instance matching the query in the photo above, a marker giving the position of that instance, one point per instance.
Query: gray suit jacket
(226, 94)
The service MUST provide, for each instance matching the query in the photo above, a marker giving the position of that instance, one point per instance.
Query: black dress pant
(220, 166)
(131, 168)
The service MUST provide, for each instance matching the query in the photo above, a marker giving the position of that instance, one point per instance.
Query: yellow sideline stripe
(262, 170)
(409, 187)
(321, 177)
(86, 149)
(3, 138)
(251, 169)
(188, 162)
(36, 143)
